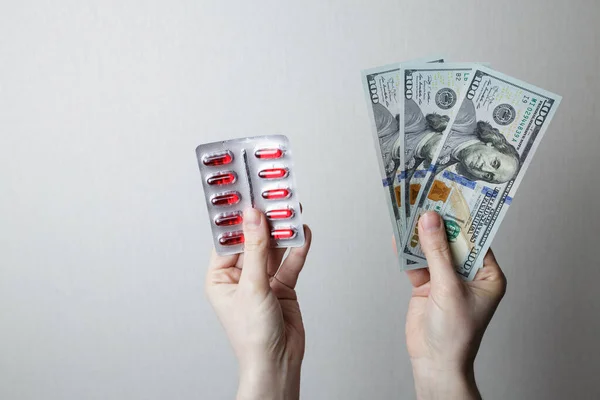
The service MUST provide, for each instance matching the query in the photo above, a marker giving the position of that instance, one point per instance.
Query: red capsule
(222, 178)
(225, 199)
(284, 213)
(276, 194)
(268, 154)
(273, 173)
(231, 238)
(229, 219)
(286, 233)
(215, 159)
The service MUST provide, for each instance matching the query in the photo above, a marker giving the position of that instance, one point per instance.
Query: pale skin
(447, 317)
(254, 297)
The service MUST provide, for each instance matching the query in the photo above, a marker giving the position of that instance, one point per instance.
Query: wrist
(438, 381)
(269, 382)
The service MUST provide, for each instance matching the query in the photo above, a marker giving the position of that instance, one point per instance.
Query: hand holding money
(447, 316)
(464, 138)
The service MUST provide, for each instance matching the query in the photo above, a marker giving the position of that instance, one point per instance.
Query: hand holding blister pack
(250, 172)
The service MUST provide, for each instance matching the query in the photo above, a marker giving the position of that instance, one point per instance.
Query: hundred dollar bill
(430, 95)
(480, 162)
(382, 90)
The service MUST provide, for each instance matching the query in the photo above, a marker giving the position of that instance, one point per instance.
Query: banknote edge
(556, 98)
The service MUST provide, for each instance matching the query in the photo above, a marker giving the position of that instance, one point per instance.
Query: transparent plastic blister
(250, 172)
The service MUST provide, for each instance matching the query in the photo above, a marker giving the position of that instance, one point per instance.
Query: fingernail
(252, 217)
(431, 221)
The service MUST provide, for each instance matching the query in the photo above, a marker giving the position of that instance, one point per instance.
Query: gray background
(104, 238)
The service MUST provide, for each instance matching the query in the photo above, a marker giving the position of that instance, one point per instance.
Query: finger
(240, 261)
(418, 277)
(291, 267)
(490, 258)
(491, 271)
(220, 270)
(432, 236)
(274, 262)
(220, 262)
(225, 275)
(256, 250)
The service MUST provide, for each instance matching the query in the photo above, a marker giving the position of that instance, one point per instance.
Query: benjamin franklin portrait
(480, 151)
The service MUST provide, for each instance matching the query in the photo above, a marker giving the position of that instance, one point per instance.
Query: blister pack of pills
(250, 172)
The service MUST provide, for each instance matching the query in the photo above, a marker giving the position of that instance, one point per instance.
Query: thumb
(256, 250)
(434, 244)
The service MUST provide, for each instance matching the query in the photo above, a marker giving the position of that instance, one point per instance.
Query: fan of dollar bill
(455, 138)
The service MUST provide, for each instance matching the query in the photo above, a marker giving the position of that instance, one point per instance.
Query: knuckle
(298, 256)
(497, 276)
(503, 284)
(208, 281)
(208, 292)
(438, 248)
(441, 248)
(255, 244)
